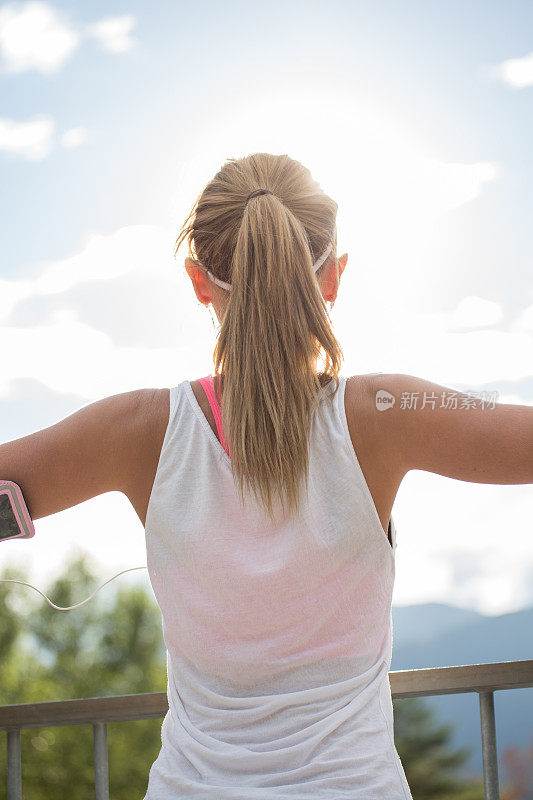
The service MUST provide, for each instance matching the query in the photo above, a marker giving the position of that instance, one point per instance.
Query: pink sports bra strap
(209, 389)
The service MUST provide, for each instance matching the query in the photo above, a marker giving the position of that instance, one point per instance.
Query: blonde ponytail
(276, 323)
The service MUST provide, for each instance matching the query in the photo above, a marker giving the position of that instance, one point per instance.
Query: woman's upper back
(381, 475)
(230, 580)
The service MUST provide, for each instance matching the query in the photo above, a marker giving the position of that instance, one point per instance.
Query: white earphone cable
(68, 608)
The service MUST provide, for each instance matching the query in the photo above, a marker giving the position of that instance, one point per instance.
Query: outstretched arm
(92, 451)
(426, 429)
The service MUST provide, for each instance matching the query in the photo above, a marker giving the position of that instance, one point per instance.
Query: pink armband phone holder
(15, 520)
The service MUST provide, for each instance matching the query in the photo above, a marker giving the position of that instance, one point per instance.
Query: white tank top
(278, 634)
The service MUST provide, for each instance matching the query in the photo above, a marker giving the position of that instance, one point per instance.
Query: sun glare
(382, 171)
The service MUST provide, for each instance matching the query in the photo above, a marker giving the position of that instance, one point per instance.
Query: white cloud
(455, 183)
(34, 139)
(113, 33)
(425, 345)
(377, 172)
(73, 137)
(463, 543)
(525, 320)
(476, 312)
(120, 302)
(141, 249)
(31, 140)
(517, 71)
(33, 35)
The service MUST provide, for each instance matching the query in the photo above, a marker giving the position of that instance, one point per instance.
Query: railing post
(14, 781)
(101, 774)
(488, 746)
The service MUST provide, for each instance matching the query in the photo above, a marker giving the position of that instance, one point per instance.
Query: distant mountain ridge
(422, 623)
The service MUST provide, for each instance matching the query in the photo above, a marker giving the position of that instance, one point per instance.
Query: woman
(267, 505)
(269, 533)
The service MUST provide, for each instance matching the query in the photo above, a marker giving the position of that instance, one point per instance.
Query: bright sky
(416, 117)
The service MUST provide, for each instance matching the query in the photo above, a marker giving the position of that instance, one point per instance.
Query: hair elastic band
(256, 193)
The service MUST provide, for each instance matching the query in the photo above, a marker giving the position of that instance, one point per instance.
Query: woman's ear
(200, 282)
(332, 278)
(342, 263)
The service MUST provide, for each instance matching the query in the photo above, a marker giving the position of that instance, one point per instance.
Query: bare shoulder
(154, 407)
(376, 405)
(375, 450)
(143, 448)
(153, 417)
(363, 402)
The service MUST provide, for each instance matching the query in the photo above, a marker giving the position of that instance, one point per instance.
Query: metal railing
(484, 679)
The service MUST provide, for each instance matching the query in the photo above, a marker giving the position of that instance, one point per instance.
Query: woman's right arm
(427, 429)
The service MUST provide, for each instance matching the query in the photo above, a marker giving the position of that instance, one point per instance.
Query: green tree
(103, 648)
(429, 762)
